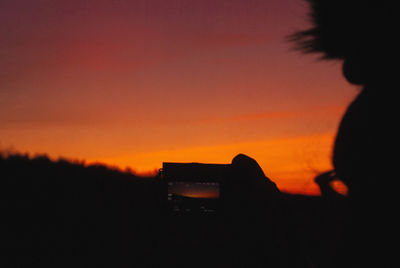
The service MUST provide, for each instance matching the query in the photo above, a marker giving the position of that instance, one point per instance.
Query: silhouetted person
(361, 34)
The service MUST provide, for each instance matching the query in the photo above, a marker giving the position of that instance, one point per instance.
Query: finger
(244, 165)
(325, 177)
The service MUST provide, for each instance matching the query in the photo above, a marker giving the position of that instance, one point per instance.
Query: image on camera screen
(192, 197)
(193, 188)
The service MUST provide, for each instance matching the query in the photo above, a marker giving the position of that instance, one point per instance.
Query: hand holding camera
(196, 188)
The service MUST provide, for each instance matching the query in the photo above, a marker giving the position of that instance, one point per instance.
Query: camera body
(193, 188)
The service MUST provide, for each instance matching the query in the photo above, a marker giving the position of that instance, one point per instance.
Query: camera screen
(193, 188)
(193, 197)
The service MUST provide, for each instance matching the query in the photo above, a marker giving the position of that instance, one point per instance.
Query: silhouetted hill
(57, 213)
(65, 214)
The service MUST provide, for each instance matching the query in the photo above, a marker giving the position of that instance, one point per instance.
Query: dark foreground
(59, 214)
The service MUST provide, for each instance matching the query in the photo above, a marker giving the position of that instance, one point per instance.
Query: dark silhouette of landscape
(63, 214)
(58, 213)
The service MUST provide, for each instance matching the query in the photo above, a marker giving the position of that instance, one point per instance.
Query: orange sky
(137, 83)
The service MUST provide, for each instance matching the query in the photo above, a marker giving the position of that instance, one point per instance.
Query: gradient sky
(194, 190)
(138, 83)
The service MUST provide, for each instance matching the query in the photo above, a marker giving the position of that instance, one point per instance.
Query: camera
(193, 188)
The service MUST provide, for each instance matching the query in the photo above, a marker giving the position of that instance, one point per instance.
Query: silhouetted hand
(248, 188)
(325, 178)
(247, 171)
(324, 182)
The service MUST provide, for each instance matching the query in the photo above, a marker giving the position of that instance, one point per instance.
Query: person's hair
(348, 27)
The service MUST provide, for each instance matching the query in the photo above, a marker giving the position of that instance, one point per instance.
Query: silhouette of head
(360, 32)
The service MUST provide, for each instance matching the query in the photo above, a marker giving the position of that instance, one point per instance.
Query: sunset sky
(138, 83)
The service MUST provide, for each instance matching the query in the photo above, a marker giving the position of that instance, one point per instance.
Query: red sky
(138, 83)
